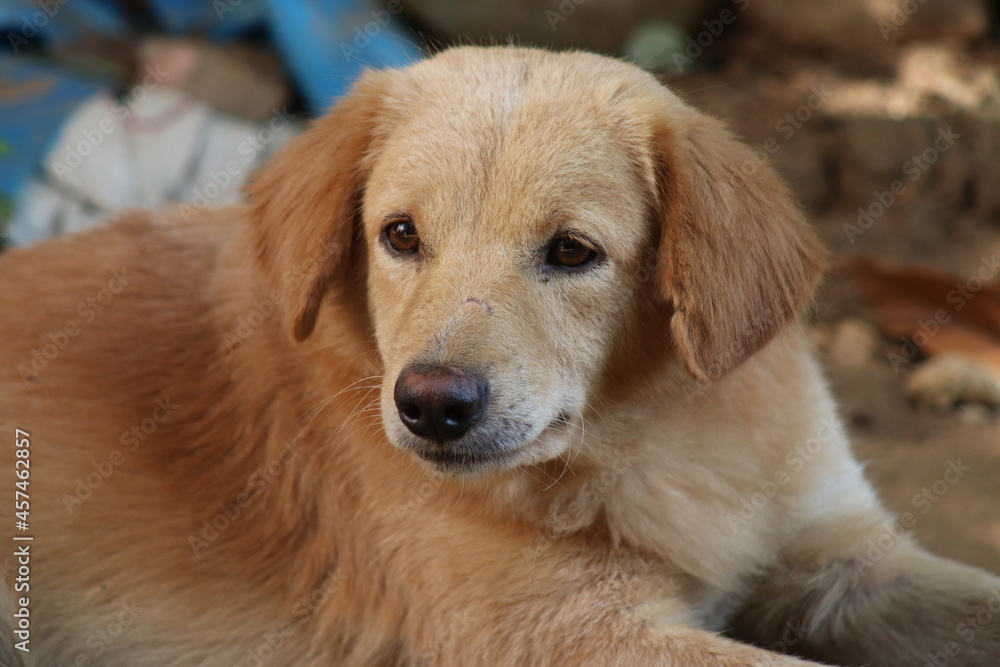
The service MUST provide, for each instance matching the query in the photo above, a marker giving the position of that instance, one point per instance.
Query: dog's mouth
(464, 462)
(479, 457)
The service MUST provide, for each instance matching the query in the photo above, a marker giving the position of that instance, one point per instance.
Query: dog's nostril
(459, 413)
(439, 403)
(409, 410)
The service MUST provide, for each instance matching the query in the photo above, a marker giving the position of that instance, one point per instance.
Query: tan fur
(278, 328)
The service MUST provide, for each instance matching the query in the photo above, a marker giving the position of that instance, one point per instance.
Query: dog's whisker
(365, 403)
(354, 414)
(571, 459)
(526, 472)
(544, 473)
(349, 388)
(360, 424)
(371, 414)
(342, 437)
(563, 472)
(582, 443)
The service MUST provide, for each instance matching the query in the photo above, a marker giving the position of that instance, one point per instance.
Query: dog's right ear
(305, 202)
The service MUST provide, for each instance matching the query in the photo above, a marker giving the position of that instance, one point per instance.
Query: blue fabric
(38, 100)
(327, 43)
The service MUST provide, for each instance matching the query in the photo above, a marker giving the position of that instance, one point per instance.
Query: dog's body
(656, 460)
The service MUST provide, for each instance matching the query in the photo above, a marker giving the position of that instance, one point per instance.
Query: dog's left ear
(737, 259)
(305, 202)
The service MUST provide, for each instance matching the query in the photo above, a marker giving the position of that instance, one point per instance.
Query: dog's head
(519, 217)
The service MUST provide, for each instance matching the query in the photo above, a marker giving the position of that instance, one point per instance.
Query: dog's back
(97, 327)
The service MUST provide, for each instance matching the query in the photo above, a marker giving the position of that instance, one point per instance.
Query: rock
(945, 380)
(818, 25)
(873, 154)
(853, 344)
(802, 162)
(868, 27)
(974, 413)
(901, 21)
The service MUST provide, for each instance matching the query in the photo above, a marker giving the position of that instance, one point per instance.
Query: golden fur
(671, 465)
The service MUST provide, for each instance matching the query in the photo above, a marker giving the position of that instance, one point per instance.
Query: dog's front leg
(566, 613)
(872, 597)
(597, 639)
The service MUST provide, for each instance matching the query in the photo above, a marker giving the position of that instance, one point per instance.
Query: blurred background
(882, 115)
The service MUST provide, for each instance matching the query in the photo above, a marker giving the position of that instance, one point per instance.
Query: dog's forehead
(521, 131)
(485, 96)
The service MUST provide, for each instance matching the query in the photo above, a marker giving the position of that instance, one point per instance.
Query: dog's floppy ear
(305, 201)
(737, 259)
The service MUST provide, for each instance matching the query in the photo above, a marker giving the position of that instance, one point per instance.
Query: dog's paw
(947, 379)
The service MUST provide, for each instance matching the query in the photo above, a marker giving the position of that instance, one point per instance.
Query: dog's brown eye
(570, 252)
(402, 237)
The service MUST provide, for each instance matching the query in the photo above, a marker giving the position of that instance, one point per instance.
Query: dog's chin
(478, 461)
(466, 464)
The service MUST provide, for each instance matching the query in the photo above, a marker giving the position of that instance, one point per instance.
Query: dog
(500, 363)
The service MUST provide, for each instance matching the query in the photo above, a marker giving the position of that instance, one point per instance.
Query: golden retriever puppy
(499, 365)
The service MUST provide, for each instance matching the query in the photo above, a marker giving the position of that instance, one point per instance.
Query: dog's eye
(571, 252)
(401, 236)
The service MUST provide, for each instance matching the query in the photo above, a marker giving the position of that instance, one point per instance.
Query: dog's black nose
(439, 402)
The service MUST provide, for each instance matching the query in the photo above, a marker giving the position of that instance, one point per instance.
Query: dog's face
(503, 225)
(521, 217)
